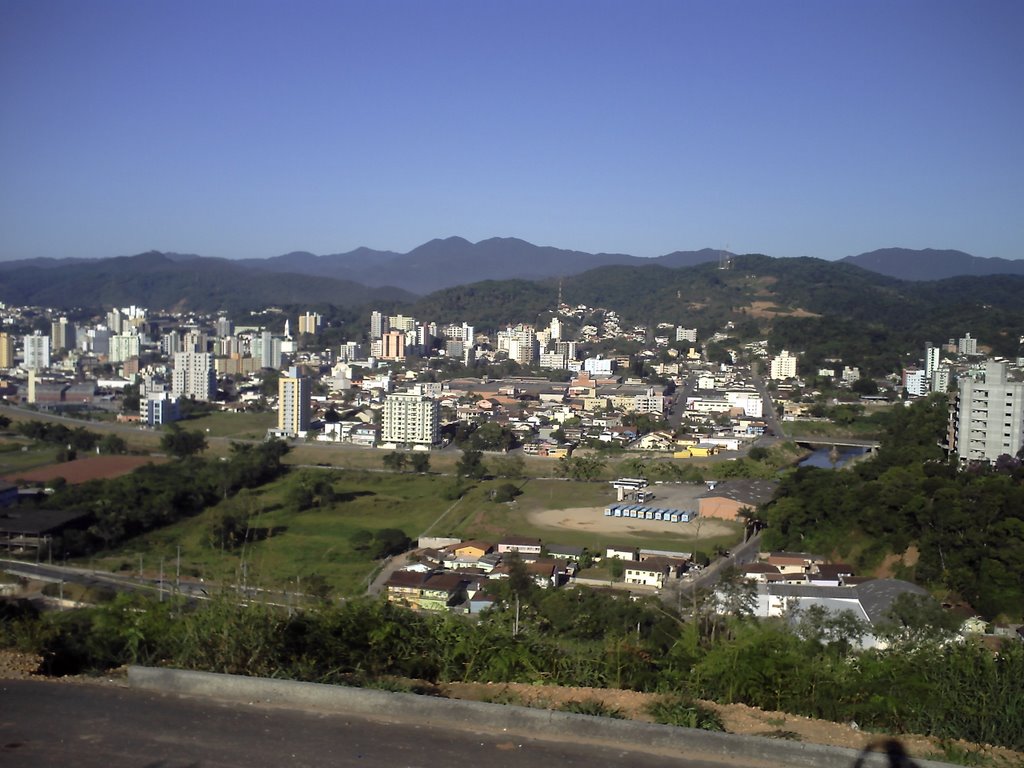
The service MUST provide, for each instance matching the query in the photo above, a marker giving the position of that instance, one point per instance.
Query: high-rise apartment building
(37, 352)
(783, 366)
(194, 376)
(411, 419)
(967, 345)
(123, 346)
(393, 346)
(293, 392)
(224, 327)
(62, 335)
(520, 342)
(932, 358)
(310, 322)
(6, 350)
(987, 417)
(377, 325)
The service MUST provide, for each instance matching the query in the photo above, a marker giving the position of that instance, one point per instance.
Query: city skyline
(252, 131)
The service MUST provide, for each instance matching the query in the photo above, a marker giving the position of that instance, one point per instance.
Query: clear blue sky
(247, 128)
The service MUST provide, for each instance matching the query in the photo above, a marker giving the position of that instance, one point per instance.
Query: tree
(420, 462)
(361, 540)
(505, 492)
(181, 443)
(916, 619)
(331, 416)
(316, 586)
(512, 467)
(864, 387)
(395, 461)
(4, 422)
(389, 541)
(113, 444)
(580, 467)
(131, 400)
(471, 465)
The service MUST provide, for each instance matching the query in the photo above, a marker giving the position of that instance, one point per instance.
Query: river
(822, 457)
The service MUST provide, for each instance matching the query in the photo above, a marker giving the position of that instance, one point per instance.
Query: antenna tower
(725, 258)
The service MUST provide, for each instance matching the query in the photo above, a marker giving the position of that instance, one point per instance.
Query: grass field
(241, 426)
(292, 545)
(18, 455)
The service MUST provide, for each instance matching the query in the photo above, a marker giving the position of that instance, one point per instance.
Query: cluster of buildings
(375, 384)
(454, 575)
(986, 411)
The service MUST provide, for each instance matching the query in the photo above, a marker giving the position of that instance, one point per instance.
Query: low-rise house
(617, 553)
(650, 573)
(526, 547)
(655, 441)
(474, 548)
(794, 562)
(430, 591)
(868, 601)
(564, 552)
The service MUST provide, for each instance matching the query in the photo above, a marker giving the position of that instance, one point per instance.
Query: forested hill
(967, 527)
(824, 309)
(157, 280)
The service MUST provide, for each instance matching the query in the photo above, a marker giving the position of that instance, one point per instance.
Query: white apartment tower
(932, 358)
(193, 376)
(987, 416)
(520, 343)
(37, 352)
(377, 323)
(293, 393)
(123, 346)
(411, 419)
(783, 366)
(967, 345)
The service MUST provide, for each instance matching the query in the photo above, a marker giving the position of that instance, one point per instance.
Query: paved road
(50, 725)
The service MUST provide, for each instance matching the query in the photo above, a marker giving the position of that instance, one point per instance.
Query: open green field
(240, 426)
(18, 455)
(290, 545)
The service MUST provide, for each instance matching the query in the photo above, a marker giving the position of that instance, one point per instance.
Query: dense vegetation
(155, 496)
(968, 525)
(566, 637)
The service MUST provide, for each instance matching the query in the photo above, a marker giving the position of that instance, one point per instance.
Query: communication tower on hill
(725, 259)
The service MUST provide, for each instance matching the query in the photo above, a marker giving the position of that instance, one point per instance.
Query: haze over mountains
(365, 276)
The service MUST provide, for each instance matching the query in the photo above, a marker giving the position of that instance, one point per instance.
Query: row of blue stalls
(641, 512)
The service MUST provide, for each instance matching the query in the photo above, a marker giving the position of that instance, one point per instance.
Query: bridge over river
(816, 441)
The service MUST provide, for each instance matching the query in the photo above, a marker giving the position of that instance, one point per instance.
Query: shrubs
(592, 707)
(685, 713)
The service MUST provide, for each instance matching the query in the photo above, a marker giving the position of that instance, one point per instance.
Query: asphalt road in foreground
(46, 724)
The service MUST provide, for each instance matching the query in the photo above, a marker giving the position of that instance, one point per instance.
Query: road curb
(534, 723)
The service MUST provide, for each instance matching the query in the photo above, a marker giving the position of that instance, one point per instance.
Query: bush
(685, 713)
(592, 707)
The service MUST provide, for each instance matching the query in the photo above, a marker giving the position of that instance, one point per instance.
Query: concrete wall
(426, 711)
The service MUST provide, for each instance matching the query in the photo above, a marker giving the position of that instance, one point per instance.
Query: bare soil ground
(83, 470)
(770, 309)
(594, 519)
(632, 705)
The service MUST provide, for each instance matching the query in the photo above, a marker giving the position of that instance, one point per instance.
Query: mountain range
(932, 264)
(365, 277)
